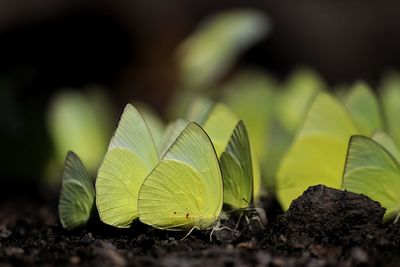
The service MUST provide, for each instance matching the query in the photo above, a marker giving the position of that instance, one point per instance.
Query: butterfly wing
(77, 194)
(170, 134)
(231, 141)
(219, 125)
(133, 134)
(185, 188)
(153, 121)
(390, 95)
(387, 142)
(373, 171)
(363, 107)
(318, 153)
(199, 109)
(130, 158)
(237, 169)
(250, 95)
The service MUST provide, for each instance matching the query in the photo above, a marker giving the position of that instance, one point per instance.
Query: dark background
(128, 46)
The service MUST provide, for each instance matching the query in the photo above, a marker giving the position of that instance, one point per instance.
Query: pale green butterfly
(77, 196)
(390, 96)
(294, 99)
(212, 49)
(290, 104)
(230, 139)
(153, 121)
(184, 191)
(172, 131)
(131, 156)
(373, 169)
(318, 153)
(250, 95)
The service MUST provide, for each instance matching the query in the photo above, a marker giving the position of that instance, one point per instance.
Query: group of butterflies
(181, 183)
(205, 161)
(351, 144)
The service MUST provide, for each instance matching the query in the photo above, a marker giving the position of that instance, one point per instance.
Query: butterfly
(211, 50)
(77, 197)
(373, 169)
(185, 189)
(318, 153)
(390, 96)
(131, 156)
(230, 139)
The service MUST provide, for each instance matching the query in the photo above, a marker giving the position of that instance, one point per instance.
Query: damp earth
(323, 227)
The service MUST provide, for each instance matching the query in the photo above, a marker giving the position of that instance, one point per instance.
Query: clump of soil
(337, 227)
(323, 227)
(328, 216)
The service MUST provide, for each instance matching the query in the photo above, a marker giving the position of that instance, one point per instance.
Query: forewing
(117, 187)
(318, 154)
(387, 142)
(237, 171)
(371, 170)
(175, 196)
(390, 95)
(153, 121)
(133, 134)
(219, 125)
(77, 194)
(363, 107)
(130, 158)
(199, 110)
(190, 162)
(170, 134)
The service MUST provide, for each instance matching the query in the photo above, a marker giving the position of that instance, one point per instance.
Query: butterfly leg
(238, 222)
(397, 218)
(191, 230)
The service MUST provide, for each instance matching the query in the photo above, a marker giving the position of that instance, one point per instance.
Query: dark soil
(323, 227)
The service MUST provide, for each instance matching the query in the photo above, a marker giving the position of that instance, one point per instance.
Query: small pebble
(75, 260)
(87, 239)
(359, 255)
(14, 251)
(4, 232)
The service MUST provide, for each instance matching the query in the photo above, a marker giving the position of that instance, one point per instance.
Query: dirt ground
(323, 227)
